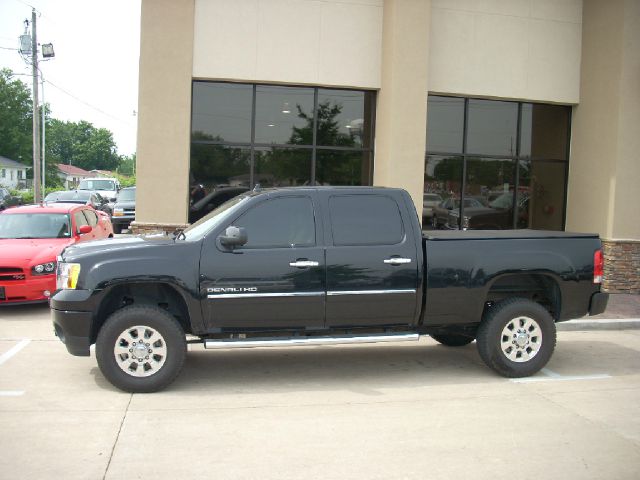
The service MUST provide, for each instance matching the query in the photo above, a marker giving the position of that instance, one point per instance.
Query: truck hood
(105, 247)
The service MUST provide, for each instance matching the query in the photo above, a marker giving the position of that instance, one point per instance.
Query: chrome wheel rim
(140, 351)
(521, 339)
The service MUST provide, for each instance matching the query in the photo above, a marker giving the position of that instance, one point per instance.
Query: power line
(87, 103)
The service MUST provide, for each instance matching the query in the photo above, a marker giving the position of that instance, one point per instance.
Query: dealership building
(506, 113)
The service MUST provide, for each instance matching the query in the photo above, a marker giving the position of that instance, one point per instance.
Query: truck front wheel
(141, 349)
(517, 337)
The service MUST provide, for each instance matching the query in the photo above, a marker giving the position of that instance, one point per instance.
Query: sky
(94, 75)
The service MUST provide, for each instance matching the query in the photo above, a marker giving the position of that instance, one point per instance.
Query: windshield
(35, 225)
(127, 195)
(73, 196)
(97, 185)
(215, 218)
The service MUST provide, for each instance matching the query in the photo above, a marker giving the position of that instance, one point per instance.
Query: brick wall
(621, 266)
(144, 227)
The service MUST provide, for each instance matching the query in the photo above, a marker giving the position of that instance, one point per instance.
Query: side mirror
(85, 229)
(233, 237)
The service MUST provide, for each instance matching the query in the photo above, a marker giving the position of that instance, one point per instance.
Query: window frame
(516, 158)
(370, 96)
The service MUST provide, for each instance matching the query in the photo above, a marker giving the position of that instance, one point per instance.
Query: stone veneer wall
(621, 266)
(145, 227)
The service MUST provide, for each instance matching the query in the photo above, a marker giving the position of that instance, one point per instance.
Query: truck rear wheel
(141, 349)
(452, 339)
(516, 338)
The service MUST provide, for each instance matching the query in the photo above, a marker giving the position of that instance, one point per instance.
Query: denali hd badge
(232, 290)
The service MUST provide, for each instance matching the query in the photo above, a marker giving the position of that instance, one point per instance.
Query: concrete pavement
(381, 412)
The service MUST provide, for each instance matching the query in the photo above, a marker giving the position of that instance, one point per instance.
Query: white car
(107, 187)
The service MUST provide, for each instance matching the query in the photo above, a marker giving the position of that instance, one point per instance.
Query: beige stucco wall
(604, 175)
(402, 101)
(164, 111)
(289, 41)
(519, 49)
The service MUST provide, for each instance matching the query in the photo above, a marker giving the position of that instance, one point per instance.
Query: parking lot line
(15, 349)
(550, 376)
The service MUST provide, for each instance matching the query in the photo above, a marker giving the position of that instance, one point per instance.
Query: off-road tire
(499, 343)
(170, 353)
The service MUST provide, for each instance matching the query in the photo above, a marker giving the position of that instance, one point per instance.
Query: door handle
(304, 263)
(397, 261)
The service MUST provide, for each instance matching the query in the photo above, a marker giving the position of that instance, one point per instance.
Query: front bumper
(72, 316)
(74, 330)
(598, 303)
(32, 289)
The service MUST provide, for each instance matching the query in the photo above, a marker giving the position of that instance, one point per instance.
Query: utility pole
(37, 197)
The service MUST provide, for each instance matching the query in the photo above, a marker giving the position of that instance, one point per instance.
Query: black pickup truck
(320, 265)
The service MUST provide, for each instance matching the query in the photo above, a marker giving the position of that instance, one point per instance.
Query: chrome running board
(310, 340)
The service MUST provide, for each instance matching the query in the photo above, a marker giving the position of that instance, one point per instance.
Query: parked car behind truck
(320, 265)
(124, 210)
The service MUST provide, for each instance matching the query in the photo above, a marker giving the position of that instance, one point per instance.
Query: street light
(47, 50)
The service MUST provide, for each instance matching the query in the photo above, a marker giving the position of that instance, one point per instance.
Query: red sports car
(31, 238)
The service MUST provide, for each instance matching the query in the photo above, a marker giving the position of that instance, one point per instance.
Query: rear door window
(365, 220)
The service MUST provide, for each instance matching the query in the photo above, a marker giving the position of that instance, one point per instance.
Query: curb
(599, 324)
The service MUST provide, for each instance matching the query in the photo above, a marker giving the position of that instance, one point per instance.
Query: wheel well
(157, 294)
(540, 288)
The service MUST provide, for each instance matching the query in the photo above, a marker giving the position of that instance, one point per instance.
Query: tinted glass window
(544, 131)
(443, 176)
(92, 217)
(127, 195)
(219, 166)
(221, 112)
(343, 168)
(341, 118)
(284, 115)
(80, 220)
(281, 222)
(273, 135)
(365, 220)
(445, 124)
(493, 127)
(282, 167)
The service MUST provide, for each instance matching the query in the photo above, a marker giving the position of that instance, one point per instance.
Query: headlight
(118, 212)
(67, 276)
(44, 269)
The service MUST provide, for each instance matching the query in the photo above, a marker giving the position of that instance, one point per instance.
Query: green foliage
(82, 145)
(127, 165)
(126, 180)
(75, 143)
(15, 119)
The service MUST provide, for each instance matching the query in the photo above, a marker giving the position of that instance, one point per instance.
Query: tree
(127, 165)
(15, 119)
(82, 145)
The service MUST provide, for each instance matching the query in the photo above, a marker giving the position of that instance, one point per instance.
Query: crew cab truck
(320, 265)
